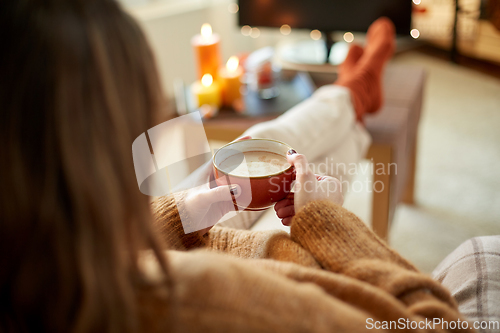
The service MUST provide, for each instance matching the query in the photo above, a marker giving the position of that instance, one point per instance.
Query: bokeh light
(245, 30)
(415, 33)
(348, 37)
(315, 34)
(285, 29)
(233, 8)
(255, 32)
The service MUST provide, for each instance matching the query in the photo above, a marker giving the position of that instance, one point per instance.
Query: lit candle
(206, 50)
(207, 92)
(230, 80)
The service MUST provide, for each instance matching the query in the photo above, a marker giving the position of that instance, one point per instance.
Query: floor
(458, 171)
(458, 175)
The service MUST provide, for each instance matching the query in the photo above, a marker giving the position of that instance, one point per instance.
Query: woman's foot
(352, 58)
(362, 70)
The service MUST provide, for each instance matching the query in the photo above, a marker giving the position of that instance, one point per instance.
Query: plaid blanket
(472, 274)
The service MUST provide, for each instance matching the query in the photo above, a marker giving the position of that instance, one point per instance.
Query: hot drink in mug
(261, 169)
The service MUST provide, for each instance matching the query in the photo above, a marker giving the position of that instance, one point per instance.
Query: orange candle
(230, 80)
(206, 50)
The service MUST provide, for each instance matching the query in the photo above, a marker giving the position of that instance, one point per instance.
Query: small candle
(206, 91)
(230, 79)
(206, 50)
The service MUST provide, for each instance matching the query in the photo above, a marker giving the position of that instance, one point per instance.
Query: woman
(79, 248)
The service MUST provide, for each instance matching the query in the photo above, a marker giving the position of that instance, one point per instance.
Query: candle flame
(206, 30)
(232, 64)
(207, 80)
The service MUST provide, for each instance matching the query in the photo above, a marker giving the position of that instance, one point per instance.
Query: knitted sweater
(331, 274)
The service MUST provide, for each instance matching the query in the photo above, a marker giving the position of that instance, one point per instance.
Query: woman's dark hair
(77, 84)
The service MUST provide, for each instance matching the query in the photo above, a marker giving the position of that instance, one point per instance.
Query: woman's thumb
(298, 161)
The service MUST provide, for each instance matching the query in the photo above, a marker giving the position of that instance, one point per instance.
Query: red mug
(260, 191)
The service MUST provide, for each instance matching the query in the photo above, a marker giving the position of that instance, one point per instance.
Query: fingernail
(234, 189)
(291, 152)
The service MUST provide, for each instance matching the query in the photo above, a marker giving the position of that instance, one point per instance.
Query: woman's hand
(205, 206)
(308, 187)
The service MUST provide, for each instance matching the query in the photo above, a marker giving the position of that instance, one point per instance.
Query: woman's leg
(318, 126)
(327, 127)
(314, 126)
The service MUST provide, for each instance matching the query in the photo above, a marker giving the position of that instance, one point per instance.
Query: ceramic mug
(258, 191)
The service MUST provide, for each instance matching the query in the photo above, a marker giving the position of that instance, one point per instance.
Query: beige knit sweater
(331, 274)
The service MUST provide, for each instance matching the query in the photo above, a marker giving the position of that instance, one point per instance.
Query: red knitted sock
(354, 54)
(364, 76)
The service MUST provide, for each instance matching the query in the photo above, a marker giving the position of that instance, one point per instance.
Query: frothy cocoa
(255, 164)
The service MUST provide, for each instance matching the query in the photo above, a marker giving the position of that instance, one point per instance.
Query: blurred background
(170, 24)
(457, 43)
